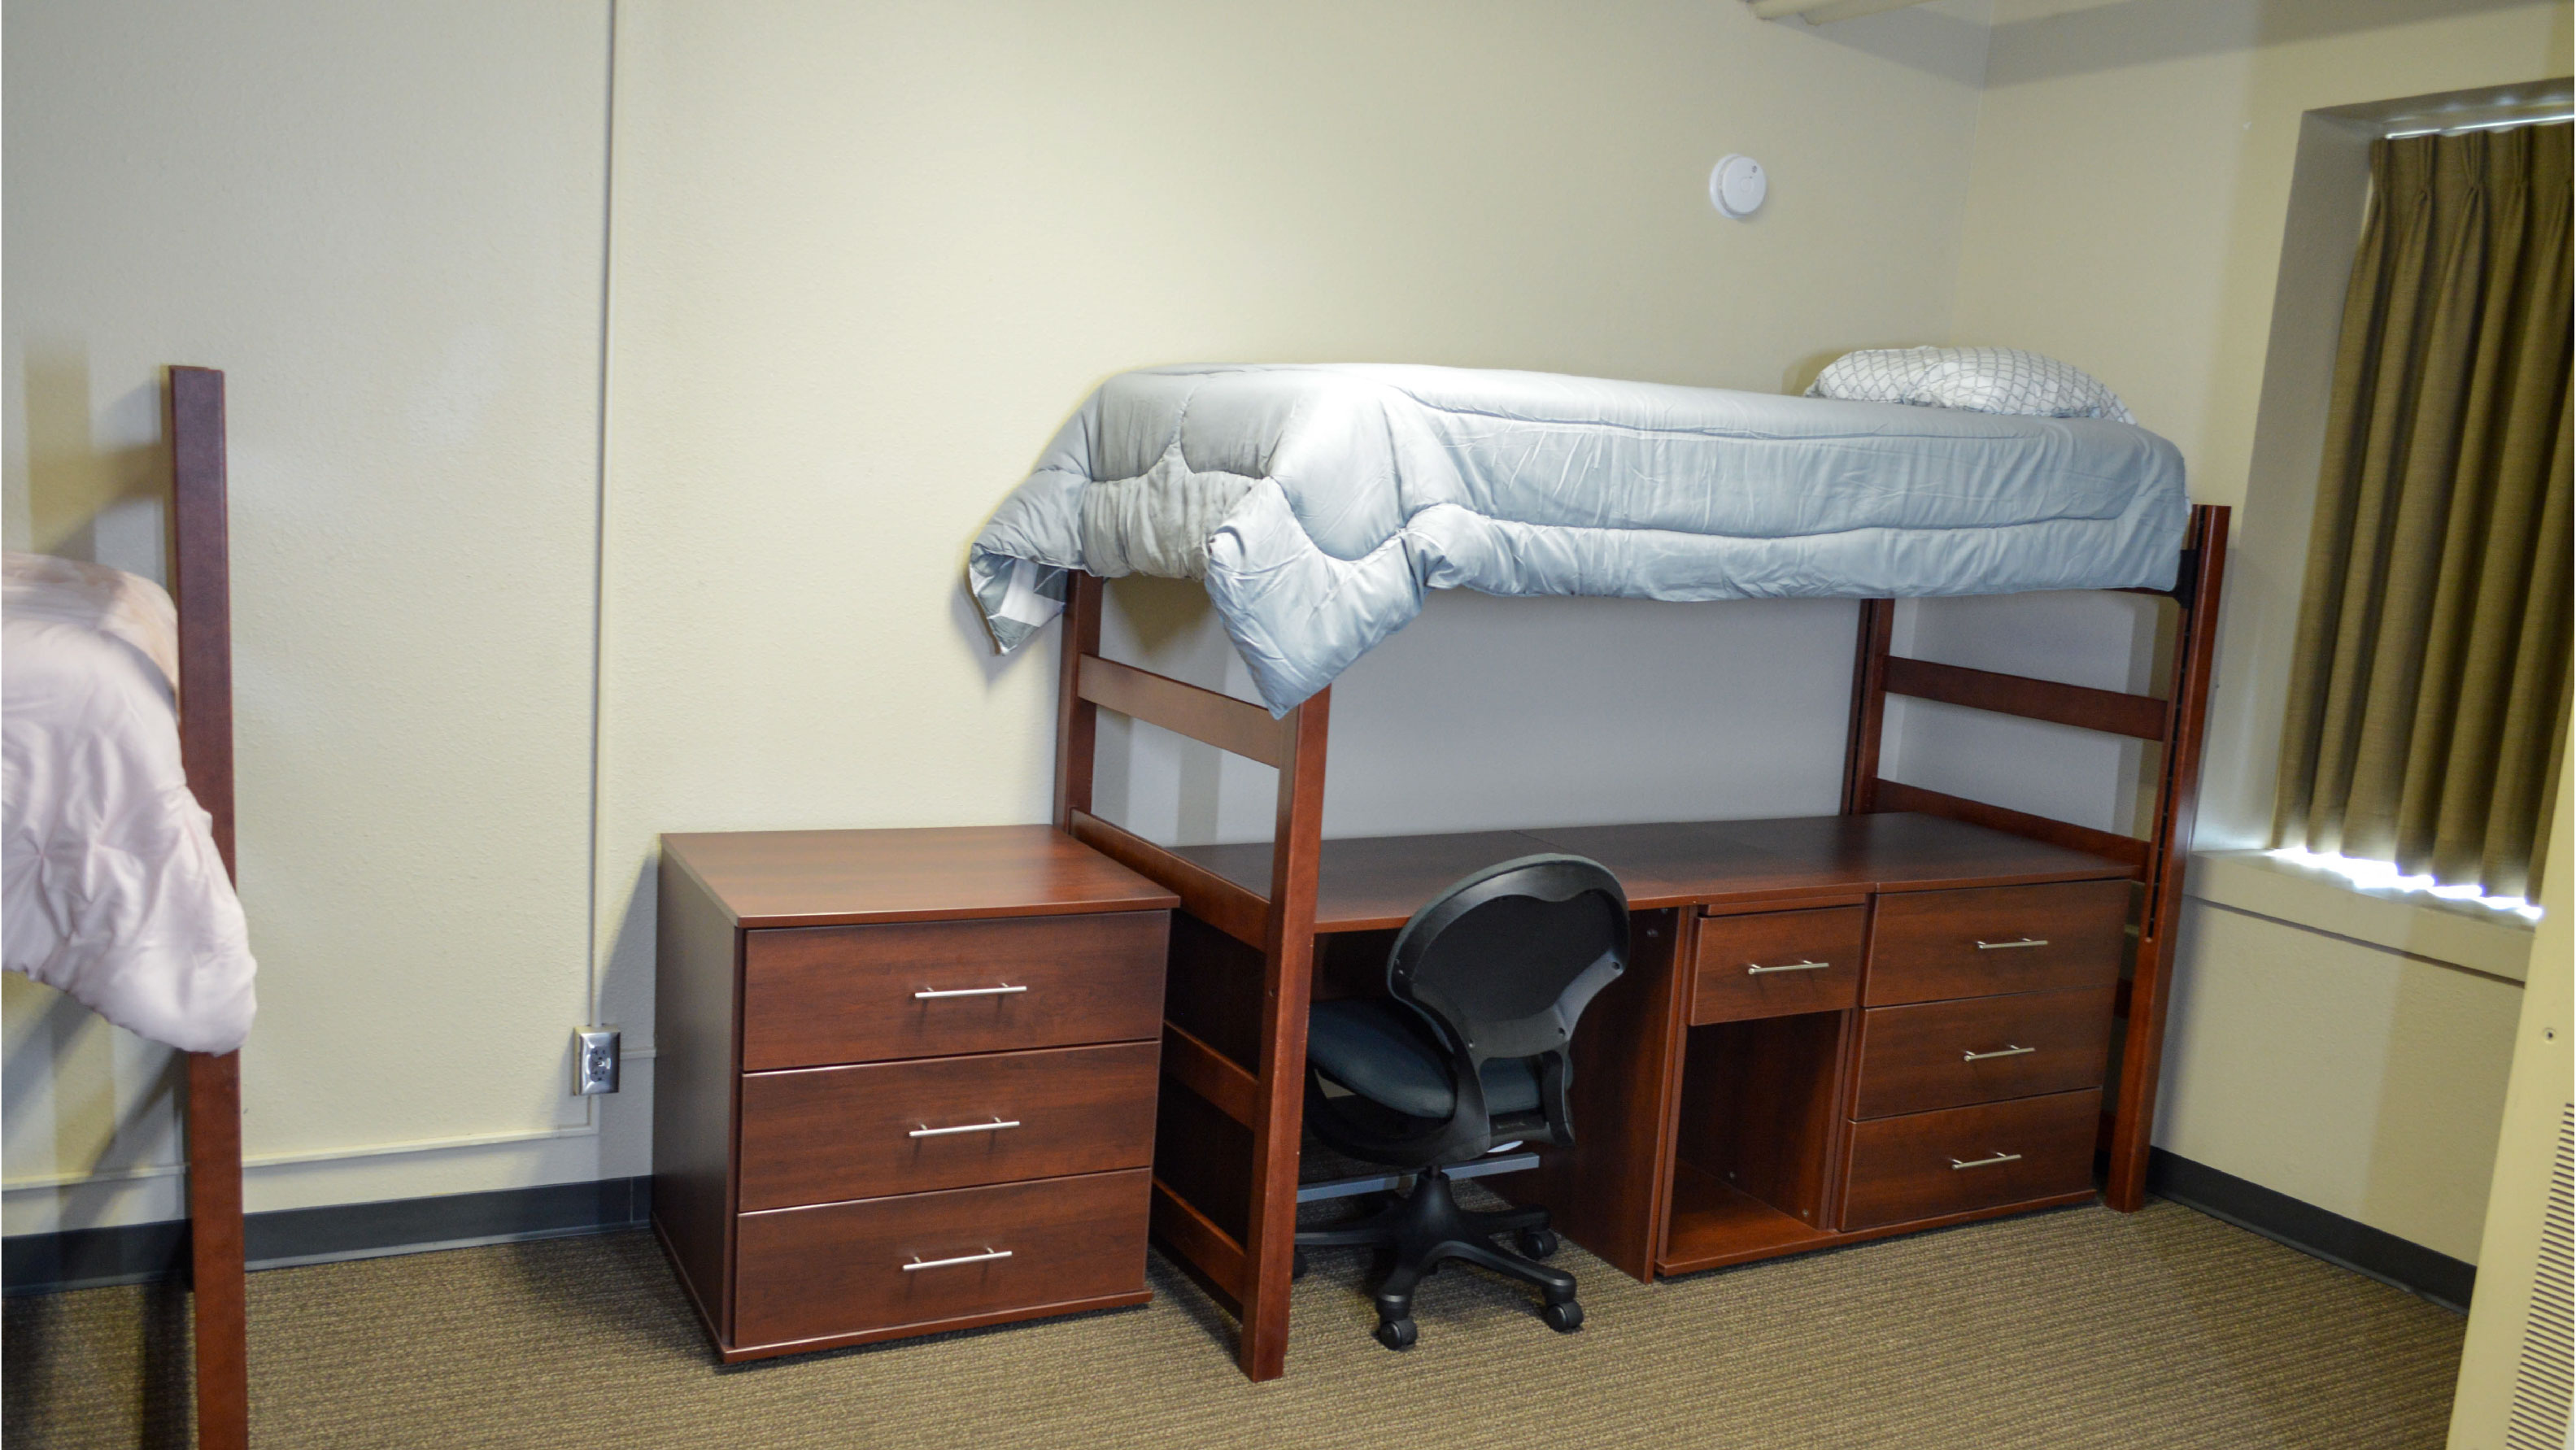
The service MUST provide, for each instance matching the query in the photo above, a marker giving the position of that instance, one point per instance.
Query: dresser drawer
(1981, 1050)
(818, 995)
(1925, 1165)
(821, 1134)
(1929, 945)
(1775, 964)
(841, 1268)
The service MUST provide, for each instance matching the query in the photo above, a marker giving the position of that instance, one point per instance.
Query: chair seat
(1382, 1050)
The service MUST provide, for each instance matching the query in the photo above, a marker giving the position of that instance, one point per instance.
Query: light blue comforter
(1319, 502)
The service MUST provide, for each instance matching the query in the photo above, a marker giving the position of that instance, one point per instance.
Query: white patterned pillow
(1976, 379)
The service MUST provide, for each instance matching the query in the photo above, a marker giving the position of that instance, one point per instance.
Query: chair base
(1426, 1228)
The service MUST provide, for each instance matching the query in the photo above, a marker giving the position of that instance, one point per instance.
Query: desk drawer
(1981, 1050)
(812, 996)
(1925, 1165)
(1775, 964)
(818, 1135)
(1929, 945)
(804, 1273)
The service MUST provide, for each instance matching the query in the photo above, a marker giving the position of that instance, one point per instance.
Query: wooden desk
(1721, 1118)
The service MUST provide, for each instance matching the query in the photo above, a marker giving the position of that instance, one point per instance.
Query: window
(2429, 687)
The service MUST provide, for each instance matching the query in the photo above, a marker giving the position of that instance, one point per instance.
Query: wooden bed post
(1868, 707)
(215, 1250)
(1266, 1098)
(2177, 800)
(201, 586)
(1288, 967)
(1077, 720)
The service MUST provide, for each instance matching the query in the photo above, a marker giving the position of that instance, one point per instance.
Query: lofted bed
(1318, 503)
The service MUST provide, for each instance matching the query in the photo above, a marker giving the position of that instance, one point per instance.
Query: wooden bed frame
(201, 585)
(1266, 1098)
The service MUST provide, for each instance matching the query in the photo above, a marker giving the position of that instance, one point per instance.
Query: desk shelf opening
(1754, 1151)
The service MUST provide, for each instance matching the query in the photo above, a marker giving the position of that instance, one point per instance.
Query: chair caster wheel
(1538, 1243)
(1564, 1318)
(1396, 1333)
(1297, 1265)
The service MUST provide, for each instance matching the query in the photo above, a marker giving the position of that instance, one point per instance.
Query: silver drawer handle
(2009, 1051)
(983, 1258)
(1987, 1162)
(1996, 946)
(1751, 970)
(994, 1126)
(929, 995)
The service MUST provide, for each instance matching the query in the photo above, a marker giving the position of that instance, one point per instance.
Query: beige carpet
(2077, 1328)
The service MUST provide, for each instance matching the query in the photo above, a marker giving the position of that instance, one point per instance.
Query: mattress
(1319, 502)
(110, 885)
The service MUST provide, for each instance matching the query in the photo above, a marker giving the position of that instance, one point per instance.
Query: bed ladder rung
(1219, 1079)
(1203, 715)
(1215, 1255)
(1895, 795)
(2113, 712)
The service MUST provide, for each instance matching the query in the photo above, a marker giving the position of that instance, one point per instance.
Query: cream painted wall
(864, 260)
(385, 223)
(868, 258)
(2132, 190)
(2364, 1081)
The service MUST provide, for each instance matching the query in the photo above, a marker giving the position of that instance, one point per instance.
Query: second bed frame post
(1287, 972)
(2142, 1056)
(201, 586)
(1077, 720)
(1274, 1107)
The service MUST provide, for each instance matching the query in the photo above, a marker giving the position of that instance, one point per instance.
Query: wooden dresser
(904, 1080)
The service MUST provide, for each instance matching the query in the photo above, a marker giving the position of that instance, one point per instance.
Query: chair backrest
(1508, 957)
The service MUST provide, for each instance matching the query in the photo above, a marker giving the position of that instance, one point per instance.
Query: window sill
(2458, 934)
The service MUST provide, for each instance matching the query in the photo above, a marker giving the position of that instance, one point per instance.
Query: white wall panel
(385, 224)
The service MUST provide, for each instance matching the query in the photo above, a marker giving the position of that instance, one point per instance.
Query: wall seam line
(599, 521)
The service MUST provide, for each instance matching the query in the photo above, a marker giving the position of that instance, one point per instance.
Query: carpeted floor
(2076, 1328)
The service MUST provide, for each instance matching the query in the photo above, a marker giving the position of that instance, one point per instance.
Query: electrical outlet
(594, 1061)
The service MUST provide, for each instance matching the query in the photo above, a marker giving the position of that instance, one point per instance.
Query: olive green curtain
(2429, 689)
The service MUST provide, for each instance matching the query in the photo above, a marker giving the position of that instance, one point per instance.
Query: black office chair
(1466, 1050)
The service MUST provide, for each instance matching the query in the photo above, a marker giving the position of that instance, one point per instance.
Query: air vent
(2540, 1387)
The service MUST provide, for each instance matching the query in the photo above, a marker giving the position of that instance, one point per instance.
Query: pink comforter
(112, 891)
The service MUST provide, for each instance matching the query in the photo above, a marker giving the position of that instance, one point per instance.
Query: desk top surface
(1374, 882)
(836, 878)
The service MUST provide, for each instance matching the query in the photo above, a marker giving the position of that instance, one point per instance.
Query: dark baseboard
(2330, 1236)
(141, 1253)
(89, 1258)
